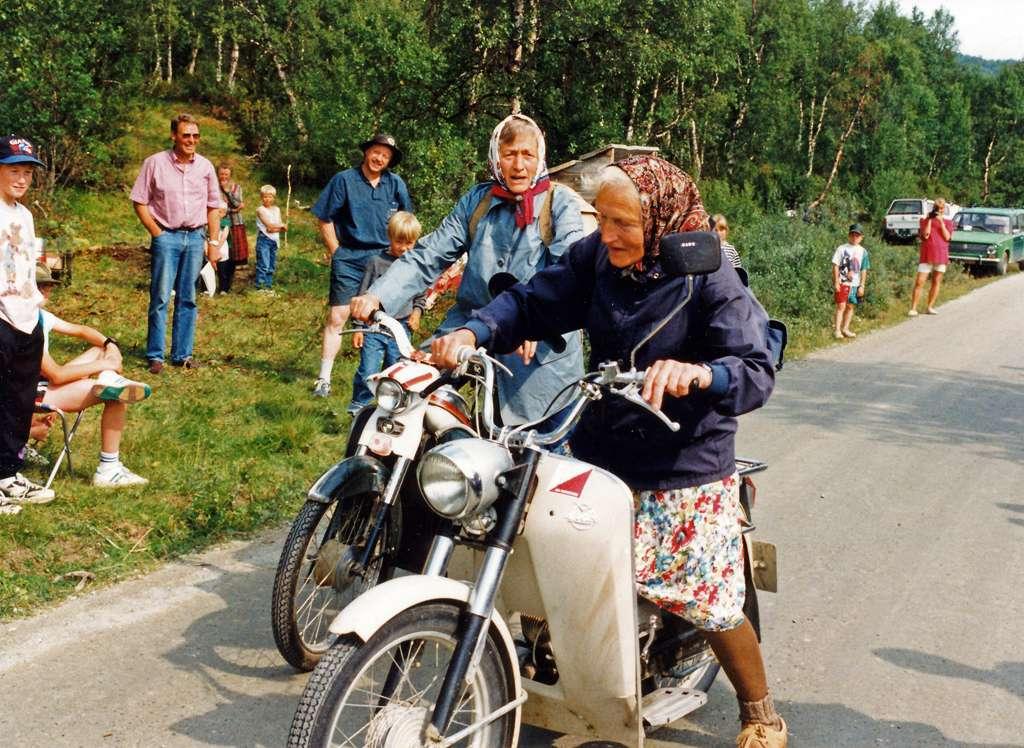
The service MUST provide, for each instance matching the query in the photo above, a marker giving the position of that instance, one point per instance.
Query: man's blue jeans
(177, 259)
(379, 351)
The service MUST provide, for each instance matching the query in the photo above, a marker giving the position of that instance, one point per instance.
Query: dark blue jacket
(723, 326)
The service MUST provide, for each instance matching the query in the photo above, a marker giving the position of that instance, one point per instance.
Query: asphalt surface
(895, 497)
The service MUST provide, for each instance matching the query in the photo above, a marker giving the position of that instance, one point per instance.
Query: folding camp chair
(69, 434)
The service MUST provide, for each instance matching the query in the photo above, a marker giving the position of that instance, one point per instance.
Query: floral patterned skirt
(689, 552)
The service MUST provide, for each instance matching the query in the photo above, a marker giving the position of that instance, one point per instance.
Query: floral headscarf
(669, 200)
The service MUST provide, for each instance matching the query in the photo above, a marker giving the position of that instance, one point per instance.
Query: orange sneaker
(757, 735)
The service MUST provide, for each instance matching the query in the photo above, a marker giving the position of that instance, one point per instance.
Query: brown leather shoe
(757, 735)
(155, 366)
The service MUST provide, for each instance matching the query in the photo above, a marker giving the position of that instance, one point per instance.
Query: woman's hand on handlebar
(673, 378)
(362, 307)
(445, 350)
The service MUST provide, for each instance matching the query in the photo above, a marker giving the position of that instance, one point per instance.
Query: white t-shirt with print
(849, 258)
(19, 252)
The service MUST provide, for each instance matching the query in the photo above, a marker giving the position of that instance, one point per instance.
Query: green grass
(233, 446)
(228, 448)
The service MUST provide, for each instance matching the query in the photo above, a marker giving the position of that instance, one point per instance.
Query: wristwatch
(214, 242)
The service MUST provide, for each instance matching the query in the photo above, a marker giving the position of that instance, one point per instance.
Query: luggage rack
(746, 466)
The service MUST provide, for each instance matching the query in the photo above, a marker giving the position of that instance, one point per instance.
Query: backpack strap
(546, 223)
(588, 214)
(478, 213)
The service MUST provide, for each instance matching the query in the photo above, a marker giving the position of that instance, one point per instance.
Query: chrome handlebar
(382, 323)
(610, 378)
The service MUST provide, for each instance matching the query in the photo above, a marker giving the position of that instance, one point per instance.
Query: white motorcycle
(549, 631)
(363, 518)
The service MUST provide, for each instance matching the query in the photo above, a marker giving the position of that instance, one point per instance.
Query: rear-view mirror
(690, 253)
(500, 282)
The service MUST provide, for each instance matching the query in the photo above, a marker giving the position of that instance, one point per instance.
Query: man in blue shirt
(353, 211)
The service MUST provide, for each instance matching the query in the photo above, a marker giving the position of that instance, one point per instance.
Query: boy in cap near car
(21, 335)
(353, 211)
(849, 279)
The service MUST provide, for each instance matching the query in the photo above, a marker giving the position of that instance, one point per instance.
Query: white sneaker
(117, 477)
(10, 508)
(321, 388)
(20, 490)
(112, 386)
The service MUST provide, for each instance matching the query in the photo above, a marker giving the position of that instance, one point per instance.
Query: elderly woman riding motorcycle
(499, 224)
(711, 362)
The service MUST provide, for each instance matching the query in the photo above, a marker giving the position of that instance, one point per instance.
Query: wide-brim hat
(856, 228)
(388, 140)
(17, 150)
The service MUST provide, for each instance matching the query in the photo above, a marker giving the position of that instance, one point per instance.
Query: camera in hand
(934, 213)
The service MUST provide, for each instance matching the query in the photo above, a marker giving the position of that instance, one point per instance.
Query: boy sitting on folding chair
(90, 379)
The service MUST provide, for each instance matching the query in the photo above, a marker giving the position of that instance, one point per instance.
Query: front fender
(375, 607)
(355, 475)
(367, 613)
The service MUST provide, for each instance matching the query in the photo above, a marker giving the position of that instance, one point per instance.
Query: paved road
(895, 495)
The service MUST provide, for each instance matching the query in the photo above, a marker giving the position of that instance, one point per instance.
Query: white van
(903, 219)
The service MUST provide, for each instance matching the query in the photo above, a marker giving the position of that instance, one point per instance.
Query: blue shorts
(347, 268)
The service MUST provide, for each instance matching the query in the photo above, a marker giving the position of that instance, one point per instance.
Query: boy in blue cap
(21, 336)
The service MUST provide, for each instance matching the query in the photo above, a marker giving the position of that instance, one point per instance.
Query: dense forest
(787, 104)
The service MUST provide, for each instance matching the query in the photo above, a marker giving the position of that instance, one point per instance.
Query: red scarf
(523, 201)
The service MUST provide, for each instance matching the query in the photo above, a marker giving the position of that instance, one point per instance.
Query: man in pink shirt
(935, 233)
(176, 197)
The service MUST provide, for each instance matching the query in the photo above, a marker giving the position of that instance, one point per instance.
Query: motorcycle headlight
(457, 479)
(390, 395)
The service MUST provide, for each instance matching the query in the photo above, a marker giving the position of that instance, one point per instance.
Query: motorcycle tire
(385, 689)
(303, 606)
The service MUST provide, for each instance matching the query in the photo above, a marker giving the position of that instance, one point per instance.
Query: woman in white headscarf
(502, 224)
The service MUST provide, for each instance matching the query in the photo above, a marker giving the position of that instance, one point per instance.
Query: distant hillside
(988, 67)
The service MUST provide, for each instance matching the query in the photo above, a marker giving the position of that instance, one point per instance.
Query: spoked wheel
(319, 574)
(381, 694)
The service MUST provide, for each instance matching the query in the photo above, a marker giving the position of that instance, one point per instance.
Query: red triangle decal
(574, 486)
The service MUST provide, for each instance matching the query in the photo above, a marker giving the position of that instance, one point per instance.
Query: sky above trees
(986, 28)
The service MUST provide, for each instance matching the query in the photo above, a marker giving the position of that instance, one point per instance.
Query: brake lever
(632, 394)
(465, 357)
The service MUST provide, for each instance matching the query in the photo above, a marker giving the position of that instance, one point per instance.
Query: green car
(988, 238)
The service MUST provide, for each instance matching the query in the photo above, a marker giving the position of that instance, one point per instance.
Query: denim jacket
(498, 246)
(722, 326)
